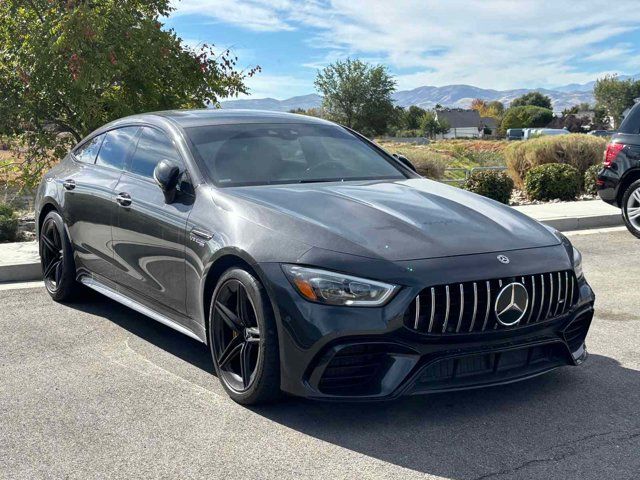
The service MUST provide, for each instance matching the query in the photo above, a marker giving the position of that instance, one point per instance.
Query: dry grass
(580, 151)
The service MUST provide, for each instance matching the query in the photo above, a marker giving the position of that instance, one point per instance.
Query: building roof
(489, 122)
(459, 118)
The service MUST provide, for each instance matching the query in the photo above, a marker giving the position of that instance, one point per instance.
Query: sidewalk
(19, 262)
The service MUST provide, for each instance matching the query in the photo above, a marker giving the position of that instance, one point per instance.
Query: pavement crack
(571, 450)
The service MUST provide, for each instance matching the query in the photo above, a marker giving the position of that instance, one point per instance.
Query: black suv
(619, 180)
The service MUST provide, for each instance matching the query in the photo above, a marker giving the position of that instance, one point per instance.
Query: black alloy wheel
(243, 339)
(52, 254)
(56, 256)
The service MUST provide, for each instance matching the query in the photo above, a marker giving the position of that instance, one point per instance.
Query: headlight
(337, 289)
(577, 263)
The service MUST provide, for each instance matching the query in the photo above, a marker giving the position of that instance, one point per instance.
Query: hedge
(490, 183)
(553, 181)
(8, 224)
(579, 150)
(590, 178)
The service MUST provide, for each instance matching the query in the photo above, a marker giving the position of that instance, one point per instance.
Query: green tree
(431, 126)
(71, 66)
(526, 117)
(615, 95)
(536, 99)
(357, 95)
(412, 117)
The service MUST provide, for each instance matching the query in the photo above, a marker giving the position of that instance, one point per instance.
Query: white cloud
(277, 86)
(487, 43)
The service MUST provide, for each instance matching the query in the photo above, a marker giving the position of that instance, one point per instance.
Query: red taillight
(612, 151)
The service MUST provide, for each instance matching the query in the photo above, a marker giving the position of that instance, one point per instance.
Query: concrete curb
(565, 224)
(20, 272)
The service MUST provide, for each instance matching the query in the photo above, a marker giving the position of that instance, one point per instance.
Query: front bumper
(360, 354)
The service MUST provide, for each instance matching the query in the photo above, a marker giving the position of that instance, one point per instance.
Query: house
(462, 123)
(490, 125)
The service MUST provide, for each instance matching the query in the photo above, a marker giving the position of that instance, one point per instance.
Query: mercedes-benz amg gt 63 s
(309, 260)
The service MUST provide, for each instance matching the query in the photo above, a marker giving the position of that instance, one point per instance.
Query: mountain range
(459, 96)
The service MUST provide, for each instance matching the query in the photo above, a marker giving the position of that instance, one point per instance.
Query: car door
(149, 234)
(89, 199)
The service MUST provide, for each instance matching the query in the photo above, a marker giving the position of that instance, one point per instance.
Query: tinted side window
(631, 123)
(87, 153)
(116, 146)
(153, 146)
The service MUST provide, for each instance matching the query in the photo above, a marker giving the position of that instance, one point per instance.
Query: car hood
(394, 220)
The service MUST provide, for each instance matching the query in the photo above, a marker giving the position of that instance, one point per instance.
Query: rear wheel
(631, 208)
(243, 339)
(56, 256)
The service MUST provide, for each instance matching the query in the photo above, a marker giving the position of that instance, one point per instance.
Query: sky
(498, 44)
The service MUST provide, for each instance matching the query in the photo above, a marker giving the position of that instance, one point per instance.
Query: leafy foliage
(615, 95)
(8, 224)
(71, 66)
(535, 99)
(526, 117)
(357, 95)
(431, 125)
(494, 109)
(580, 151)
(553, 181)
(490, 183)
(590, 178)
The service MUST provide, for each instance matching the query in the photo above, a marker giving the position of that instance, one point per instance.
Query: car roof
(218, 116)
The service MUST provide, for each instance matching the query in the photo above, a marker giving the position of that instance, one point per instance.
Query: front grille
(487, 368)
(469, 307)
(352, 369)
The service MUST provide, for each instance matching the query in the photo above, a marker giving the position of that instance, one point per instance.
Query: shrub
(553, 181)
(431, 166)
(490, 183)
(590, 177)
(526, 117)
(578, 150)
(8, 224)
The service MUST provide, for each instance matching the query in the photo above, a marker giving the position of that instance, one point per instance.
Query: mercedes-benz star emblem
(511, 304)
(503, 259)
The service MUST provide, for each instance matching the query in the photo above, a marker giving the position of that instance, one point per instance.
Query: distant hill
(427, 97)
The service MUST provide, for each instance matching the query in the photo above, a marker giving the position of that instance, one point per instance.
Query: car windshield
(264, 154)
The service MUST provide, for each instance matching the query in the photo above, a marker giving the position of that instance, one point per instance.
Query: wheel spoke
(51, 267)
(229, 317)
(59, 272)
(48, 244)
(633, 213)
(636, 195)
(232, 351)
(241, 305)
(245, 364)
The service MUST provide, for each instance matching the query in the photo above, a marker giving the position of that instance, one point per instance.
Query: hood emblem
(503, 259)
(511, 304)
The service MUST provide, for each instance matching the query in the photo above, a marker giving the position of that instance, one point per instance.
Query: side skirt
(138, 307)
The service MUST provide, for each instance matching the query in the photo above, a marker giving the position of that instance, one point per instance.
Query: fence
(458, 176)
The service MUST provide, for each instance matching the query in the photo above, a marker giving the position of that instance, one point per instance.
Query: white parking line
(19, 285)
(596, 230)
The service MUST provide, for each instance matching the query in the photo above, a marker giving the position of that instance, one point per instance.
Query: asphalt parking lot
(94, 390)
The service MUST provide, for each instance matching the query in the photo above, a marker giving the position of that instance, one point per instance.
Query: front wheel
(243, 339)
(631, 208)
(56, 256)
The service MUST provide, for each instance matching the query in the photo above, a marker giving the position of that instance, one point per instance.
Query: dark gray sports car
(308, 259)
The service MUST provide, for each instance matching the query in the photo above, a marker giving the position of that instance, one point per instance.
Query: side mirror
(167, 175)
(405, 161)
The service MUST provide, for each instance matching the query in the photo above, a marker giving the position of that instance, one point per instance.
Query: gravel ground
(94, 390)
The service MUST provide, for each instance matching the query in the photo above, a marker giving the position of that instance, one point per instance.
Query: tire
(56, 257)
(243, 340)
(631, 208)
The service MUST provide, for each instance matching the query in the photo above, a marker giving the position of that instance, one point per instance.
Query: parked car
(309, 260)
(515, 134)
(618, 182)
(541, 132)
(602, 133)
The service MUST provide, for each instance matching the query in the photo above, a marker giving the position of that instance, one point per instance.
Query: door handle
(69, 184)
(124, 199)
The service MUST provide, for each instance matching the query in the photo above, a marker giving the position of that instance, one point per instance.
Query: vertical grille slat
(468, 307)
(475, 306)
(446, 312)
